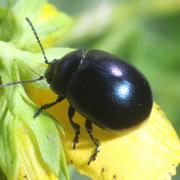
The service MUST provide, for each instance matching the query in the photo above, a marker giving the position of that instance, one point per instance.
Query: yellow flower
(149, 151)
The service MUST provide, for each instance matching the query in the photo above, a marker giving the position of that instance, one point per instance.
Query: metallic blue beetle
(104, 89)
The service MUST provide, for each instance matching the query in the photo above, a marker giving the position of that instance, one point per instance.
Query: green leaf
(22, 9)
(8, 146)
(43, 129)
(49, 30)
(28, 8)
(7, 23)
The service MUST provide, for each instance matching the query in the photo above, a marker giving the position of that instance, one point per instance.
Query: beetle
(103, 88)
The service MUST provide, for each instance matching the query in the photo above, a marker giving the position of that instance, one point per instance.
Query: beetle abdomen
(109, 92)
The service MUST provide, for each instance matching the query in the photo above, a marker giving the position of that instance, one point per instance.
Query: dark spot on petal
(102, 170)
(71, 161)
(114, 176)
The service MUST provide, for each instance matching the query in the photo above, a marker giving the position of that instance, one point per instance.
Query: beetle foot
(94, 155)
(37, 113)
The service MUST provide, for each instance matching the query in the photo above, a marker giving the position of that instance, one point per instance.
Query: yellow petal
(150, 151)
(48, 11)
(31, 165)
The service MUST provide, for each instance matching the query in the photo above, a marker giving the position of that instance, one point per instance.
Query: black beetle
(104, 89)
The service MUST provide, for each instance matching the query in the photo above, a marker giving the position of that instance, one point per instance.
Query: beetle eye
(50, 70)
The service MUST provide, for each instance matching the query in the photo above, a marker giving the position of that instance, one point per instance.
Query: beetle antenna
(22, 82)
(38, 40)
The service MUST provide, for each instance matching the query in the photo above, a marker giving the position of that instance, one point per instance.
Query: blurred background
(145, 33)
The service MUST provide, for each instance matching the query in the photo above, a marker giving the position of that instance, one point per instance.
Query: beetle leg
(89, 129)
(47, 106)
(75, 126)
